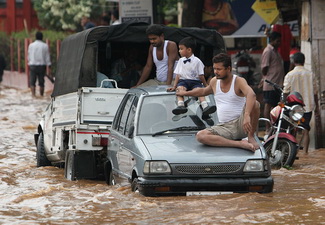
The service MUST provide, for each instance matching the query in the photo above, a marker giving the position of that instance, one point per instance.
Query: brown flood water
(31, 195)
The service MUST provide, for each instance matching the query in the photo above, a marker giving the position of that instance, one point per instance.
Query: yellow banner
(266, 9)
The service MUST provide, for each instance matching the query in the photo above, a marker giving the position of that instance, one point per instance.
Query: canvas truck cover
(77, 61)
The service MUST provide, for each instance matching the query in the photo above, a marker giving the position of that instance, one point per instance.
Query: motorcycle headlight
(156, 167)
(254, 166)
(297, 112)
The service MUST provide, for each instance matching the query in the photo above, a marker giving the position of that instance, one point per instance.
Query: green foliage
(4, 47)
(66, 14)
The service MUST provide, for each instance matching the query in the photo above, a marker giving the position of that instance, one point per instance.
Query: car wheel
(109, 177)
(41, 159)
(134, 185)
(69, 170)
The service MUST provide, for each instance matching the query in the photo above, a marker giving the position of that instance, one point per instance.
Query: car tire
(108, 172)
(134, 185)
(41, 159)
(69, 169)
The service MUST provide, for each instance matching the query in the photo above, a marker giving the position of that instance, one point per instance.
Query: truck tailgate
(99, 105)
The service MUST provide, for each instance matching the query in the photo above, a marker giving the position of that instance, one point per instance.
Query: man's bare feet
(253, 142)
(246, 145)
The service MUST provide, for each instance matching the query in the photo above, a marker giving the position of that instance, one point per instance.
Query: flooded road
(31, 195)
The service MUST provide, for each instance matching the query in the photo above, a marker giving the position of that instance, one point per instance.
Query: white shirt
(38, 54)
(303, 81)
(190, 70)
(229, 105)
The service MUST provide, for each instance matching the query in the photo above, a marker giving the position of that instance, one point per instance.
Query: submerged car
(157, 152)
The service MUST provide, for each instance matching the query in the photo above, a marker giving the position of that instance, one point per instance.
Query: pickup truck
(75, 127)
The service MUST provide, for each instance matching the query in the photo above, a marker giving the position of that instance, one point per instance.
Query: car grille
(208, 169)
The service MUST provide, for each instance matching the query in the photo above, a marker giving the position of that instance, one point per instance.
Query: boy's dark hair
(274, 35)
(39, 35)
(154, 29)
(222, 58)
(299, 58)
(188, 42)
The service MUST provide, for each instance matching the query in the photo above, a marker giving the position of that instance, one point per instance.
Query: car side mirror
(131, 130)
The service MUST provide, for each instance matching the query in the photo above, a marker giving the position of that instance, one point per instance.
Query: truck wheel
(41, 159)
(69, 169)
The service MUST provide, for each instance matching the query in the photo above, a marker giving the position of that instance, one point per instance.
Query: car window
(156, 114)
(120, 126)
(130, 119)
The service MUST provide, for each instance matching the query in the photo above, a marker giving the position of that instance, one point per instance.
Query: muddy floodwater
(31, 195)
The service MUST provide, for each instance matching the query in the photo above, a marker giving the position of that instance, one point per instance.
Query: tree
(65, 14)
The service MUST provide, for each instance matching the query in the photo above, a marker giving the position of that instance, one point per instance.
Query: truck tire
(41, 159)
(69, 169)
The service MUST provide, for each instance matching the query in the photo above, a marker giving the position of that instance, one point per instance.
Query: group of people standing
(299, 79)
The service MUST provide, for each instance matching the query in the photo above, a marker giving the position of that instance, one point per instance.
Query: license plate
(210, 193)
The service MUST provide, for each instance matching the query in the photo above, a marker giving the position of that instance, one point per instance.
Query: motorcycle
(244, 66)
(281, 143)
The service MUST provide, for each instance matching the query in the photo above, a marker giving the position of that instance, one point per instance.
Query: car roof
(151, 90)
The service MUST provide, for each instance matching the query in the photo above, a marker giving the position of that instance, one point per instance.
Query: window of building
(3, 4)
(19, 3)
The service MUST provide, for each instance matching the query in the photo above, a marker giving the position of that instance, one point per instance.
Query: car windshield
(156, 115)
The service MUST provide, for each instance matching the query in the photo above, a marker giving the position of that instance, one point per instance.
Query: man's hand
(171, 89)
(180, 92)
(247, 126)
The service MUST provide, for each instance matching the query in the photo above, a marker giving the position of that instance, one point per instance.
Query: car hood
(186, 149)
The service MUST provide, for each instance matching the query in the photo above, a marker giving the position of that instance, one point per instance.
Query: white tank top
(229, 105)
(161, 65)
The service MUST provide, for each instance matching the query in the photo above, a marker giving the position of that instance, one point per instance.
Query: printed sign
(140, 11)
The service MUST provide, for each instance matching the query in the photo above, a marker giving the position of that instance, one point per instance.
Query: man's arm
(172, 53)
(250, 95)
(147, 68)
(198, 92)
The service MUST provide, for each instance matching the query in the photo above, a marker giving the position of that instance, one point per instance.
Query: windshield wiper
(179, 129)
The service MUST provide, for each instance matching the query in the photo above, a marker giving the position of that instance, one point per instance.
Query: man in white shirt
(38, 59)
(303, 81)
(237, 108)
(163, 53)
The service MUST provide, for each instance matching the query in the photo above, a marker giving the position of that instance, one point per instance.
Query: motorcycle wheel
(285, 153)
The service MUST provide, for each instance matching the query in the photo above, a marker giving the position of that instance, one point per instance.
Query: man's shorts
(271, 97)
(232, 130)
(37, 73)
(307, 117)
(190, 84)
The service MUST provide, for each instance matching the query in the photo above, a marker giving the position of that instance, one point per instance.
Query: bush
(5, 49)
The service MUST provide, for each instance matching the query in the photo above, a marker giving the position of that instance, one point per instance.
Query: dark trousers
(37, 73)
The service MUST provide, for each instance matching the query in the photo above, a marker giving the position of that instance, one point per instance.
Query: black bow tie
(186, 60)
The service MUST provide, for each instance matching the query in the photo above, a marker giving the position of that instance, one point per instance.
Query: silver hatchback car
(157, 152)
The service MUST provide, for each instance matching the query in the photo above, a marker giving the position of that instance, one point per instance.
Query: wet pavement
(31, 195)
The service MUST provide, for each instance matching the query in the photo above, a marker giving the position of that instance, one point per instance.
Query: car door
(122, 140)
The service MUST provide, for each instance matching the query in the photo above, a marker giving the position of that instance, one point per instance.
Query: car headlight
(254, 166)
(156, 167)
(297, 112)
